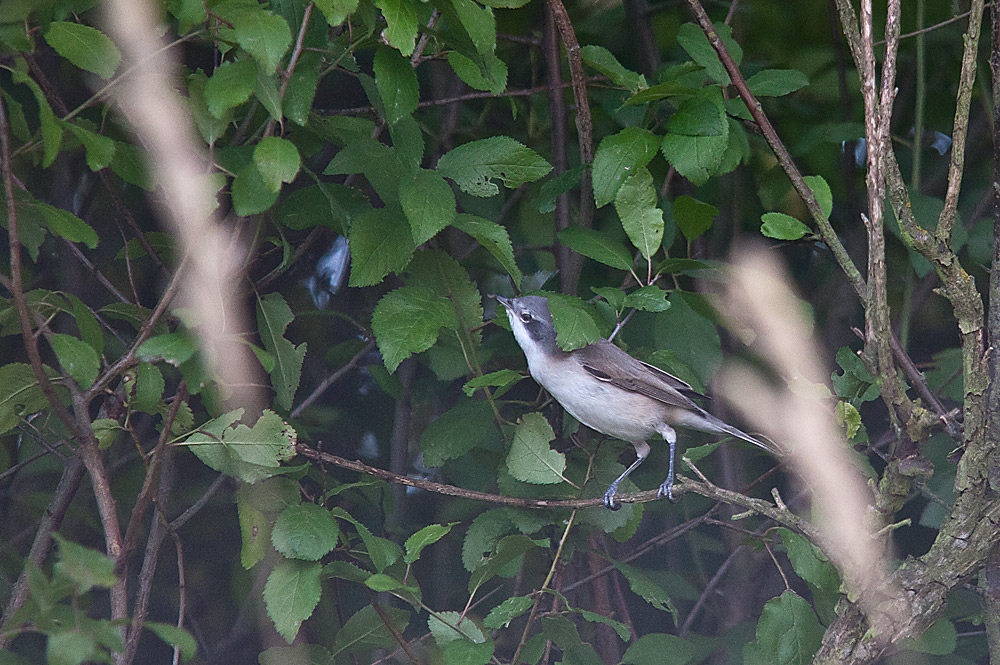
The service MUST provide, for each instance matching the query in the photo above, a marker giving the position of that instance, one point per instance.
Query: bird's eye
(525, 316)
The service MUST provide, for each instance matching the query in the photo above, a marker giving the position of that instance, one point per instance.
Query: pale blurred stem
(541, 590)
(826, 231)
(878, 116)
(584, 129)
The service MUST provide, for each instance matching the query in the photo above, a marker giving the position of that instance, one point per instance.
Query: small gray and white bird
(608, 390)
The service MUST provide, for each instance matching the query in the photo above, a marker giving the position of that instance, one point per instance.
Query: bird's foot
(609, 498)
(667, 490)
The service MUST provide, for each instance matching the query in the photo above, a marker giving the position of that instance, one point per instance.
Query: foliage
(382, 167)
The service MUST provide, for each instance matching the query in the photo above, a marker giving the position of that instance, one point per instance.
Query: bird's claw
(609, 499)
(667, 490)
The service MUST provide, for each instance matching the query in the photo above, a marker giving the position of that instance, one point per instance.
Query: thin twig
(330, 380)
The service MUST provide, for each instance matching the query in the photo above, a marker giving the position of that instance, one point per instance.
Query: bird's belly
(603, 407)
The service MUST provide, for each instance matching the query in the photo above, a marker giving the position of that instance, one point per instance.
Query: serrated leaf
(428, 535)
(383, 553)
(503, 379)
(401, 19)
(291, 594)
(301, 90)
(501, 615)
(603, 61)
(99, 149)
(659, 649)
(86, 47)
(474, 165)
(20, 394)
(494, 80)
(255, 528)
(174, 348)
(379, 244)
(646, 589)
(655, 93)
(822, 192)
(635, 204)
(66, 225)
(407, 321)
(83, 566)
(397, 84)
(530, 459)
(230, 85)
(366, 631)
(273, 317)
(76, 357)
(428, 202)
(649, 298)
(305, 531)
(788, 632)
(494, 238)
(336, 11)
(70, 647)
(277, 160)
(618, 156)
(252, 194)
(249, 454)
(447, 627)
(457, 431)
(780, 226)
(776, 82)
(149, 386)
(693, 217)
(597, 245)
(508, 549)
(479, 24)
(809, 562)
(693, 40)
(698, 136)
(51, 129)
(575, 327)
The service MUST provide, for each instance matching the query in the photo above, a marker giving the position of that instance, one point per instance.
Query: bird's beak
(503, 301)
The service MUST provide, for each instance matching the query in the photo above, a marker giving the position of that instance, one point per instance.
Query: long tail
(716, 425)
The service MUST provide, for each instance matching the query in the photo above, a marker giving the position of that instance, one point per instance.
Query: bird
(608, 390)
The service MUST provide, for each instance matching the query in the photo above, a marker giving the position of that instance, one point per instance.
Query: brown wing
(606, 362)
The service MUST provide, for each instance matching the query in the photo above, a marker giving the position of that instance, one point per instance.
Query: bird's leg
(641, 450)
(667, 488)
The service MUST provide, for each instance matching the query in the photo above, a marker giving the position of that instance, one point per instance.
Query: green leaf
(617, 157)
(503, 379)
(149, 386)
(428, 202)
(809, 562)
(780, 226)
(428, 535)
(407, 321)
(366, 631)
(822, 192)
(646, 589)
(174, 348)
(597, 245)
(76, 357)
(788, 632)
(494, 238)
(20, 394)
(66, 225)
(693, 40)
(86, 47)
(659, 649)
(305, 531)
(69, 647)
(938, 640)
(401, 19)
(277, 160)
(603, 61)
(617, 626)
(615, 297)
(301, 90)
(776, 82)
(383, 553)
(693, 217)
(479, 24)
(649, 298)
(83, 566)
(273, 317)
(447, 627)
(336, 11)
(483, 534)
(291, 594)
(511, 608)
(530, 459)
(848, 417)
(379, 245)
(106, 431)
(51, 129)
(397, 84)
(508, 549)
(635, 204)
(474, 165)
(655, 93)
(230, 85)
(99, 149)
(251, 191)
(457, 431)
(690, 335)
(698, 136)
(378, 162)
(408, 143)
(249, 454)
(267, 93)
(494, 80)
(263, 35)
(255, 527)
(575, 326)
(175, 637)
